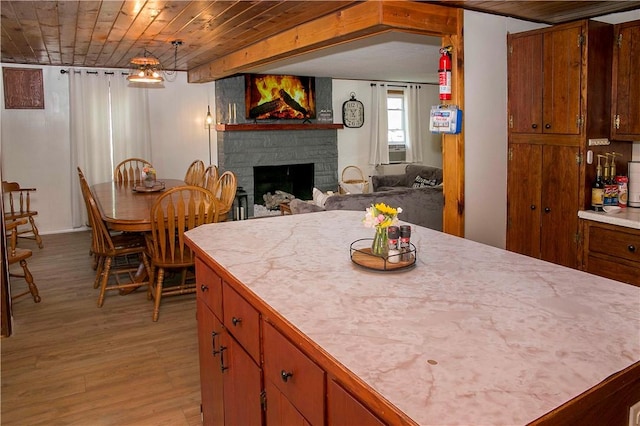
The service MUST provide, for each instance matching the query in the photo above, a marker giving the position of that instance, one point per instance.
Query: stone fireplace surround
(241, 151)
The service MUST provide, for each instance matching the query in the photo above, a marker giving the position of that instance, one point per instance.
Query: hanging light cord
(171, 75)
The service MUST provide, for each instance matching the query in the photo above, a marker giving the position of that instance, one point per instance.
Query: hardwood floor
(69, 362)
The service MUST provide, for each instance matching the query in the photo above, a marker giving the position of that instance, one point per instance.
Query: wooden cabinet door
(524, 188)
(344, 410)
(626, 86)
(242, 385)
(525, 83)
(562, 80)
(295, 375)
(560, 205)
(280, 411)
(209, 333)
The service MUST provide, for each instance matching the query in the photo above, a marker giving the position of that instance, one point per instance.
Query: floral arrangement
(148, 173)
(380, 216)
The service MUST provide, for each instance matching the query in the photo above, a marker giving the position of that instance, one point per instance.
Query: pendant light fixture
(147, 68)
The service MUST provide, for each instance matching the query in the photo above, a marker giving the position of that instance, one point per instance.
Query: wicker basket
(352, 175)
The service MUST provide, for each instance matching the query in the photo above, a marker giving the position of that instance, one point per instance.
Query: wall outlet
(634, 414)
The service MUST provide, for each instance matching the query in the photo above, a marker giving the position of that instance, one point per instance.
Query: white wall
(35, 144)
(353, 143)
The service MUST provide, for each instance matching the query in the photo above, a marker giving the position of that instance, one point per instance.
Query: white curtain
(108, 124)
(379, 148)
(130, 115)
(415, 117)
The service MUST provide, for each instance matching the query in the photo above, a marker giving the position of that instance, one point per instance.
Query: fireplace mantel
(271, 126)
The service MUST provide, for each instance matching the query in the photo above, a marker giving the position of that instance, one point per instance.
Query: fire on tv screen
(280, 97)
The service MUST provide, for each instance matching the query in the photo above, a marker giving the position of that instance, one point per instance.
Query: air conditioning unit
(397, 153)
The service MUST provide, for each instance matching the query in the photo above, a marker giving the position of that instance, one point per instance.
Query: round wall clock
(353, 112)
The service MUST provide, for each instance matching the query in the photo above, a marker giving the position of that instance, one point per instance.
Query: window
(396, 123)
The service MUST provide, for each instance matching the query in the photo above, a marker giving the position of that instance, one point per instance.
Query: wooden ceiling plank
(31, 49)
(14, 42)
(68, 20)
(87, 15)
(47, 13)
(104, 21)
(121, 30)
(134, 41)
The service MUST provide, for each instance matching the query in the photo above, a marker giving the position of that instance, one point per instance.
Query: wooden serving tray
(158, 186)
(363, 257)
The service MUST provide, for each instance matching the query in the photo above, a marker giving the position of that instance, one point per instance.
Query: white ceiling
(393, 56)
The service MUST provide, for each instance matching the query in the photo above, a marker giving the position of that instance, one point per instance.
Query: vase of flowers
(380, 216)
(149, 177)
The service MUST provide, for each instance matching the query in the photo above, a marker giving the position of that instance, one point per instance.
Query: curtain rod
(63, 71)
(398, 85)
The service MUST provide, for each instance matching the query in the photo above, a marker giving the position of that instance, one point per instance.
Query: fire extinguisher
(444, 73)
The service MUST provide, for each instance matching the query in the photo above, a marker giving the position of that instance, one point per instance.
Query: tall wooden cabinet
(559, 90)
(543, 195)
(625, 107)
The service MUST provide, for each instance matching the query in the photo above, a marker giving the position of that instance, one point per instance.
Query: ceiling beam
(362, 20)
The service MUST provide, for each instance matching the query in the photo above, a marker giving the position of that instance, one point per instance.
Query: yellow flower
(381, 215)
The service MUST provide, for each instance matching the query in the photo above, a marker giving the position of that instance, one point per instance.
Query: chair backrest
(211, 177)
(227, 186)
(129, 171)
(195, 174)
(19, 199)
(172, 214)
(101, 242)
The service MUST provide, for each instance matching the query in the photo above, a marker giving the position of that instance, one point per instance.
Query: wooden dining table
(125, 209)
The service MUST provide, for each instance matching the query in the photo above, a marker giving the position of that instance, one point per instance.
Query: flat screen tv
(280, 97)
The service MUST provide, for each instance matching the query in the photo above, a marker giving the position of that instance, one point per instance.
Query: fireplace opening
(296, 179)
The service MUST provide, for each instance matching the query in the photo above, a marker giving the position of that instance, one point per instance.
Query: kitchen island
(471, 335)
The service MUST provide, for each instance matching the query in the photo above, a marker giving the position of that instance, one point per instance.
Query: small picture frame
(23, 88)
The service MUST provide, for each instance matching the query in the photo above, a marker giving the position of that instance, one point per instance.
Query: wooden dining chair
(20, 255)
(17, 205)
(129, 171)
(173, 213)
(211, 176)
(109, 249)
(226, 193)
(195, 174)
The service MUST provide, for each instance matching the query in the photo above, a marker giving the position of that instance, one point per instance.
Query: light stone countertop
(629, 217)
(513, 337)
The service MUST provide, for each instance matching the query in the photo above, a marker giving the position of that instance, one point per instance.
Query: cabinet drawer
(243, 321)
(626, 272)
(614, 243)
(294, 374)
(209, 287)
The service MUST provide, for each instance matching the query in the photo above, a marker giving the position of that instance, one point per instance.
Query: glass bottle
(597, 189)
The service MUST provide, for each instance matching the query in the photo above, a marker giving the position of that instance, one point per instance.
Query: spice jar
(394, 234)
(405, 247)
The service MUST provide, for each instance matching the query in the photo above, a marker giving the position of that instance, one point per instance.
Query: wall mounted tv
(280, 97)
